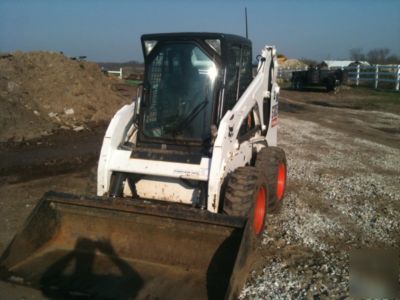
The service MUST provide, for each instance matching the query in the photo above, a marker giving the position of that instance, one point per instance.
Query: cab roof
(230, 38)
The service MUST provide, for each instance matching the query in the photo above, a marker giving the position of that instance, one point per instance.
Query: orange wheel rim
(259, 211)
(280, 189)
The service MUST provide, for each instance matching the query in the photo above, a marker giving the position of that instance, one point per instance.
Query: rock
(280, 243)
(36, 112)
(12, 86)
(79, 128)
(52, 114)
(69, 111)
(16, 279)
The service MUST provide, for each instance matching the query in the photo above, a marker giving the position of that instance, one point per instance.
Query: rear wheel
(272, 162)
(247, 195)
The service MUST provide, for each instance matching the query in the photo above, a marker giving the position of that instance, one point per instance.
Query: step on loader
(187, 176)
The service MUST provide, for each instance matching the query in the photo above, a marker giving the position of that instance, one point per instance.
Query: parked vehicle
(187, 174)
(315, 76)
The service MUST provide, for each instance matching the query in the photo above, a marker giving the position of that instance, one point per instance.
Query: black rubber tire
(329, 87)
(241, 189)
(116, 187)
(268, 160)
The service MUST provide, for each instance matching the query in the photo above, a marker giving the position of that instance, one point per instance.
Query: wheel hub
(259, 211)
(281, 181)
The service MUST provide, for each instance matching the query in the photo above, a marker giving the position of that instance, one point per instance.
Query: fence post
(120, 73)
(398, 78)
(358, 75)
(376, 76)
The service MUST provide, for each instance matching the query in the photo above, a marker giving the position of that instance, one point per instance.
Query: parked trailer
(331, 79)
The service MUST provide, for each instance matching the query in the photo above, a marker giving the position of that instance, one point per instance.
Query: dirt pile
(41, 92)
(292, 64)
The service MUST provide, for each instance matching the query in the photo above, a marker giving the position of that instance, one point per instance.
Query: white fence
(375, 74)
(116, 72)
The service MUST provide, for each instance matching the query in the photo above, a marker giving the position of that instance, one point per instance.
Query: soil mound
(292, 64)
(41, 92)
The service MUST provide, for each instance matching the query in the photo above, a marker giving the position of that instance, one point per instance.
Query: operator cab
(190, 81)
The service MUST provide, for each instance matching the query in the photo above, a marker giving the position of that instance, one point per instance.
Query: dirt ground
(343, 189)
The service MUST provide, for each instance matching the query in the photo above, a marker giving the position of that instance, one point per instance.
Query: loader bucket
(91, 247)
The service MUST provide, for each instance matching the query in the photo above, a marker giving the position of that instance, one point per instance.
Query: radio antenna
(245, 16)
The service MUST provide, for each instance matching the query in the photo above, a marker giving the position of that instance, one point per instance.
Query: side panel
(112, 140)
(272, 133)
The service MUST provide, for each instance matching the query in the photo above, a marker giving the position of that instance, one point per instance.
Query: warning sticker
(274, 115)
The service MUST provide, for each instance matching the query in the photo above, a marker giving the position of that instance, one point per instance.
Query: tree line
(375, 56)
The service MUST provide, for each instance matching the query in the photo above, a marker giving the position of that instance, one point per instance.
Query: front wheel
(272, 162)
(247, 195)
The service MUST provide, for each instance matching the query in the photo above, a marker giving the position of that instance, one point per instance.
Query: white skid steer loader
(186, 176)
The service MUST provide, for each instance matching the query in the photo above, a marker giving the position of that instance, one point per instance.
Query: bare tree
(378, 55)
(375, 56)
(393, 59)
(357, 54)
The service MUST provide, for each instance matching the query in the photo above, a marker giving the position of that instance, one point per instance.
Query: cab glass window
(180, 84)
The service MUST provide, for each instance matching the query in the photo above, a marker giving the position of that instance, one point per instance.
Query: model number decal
(186, 172)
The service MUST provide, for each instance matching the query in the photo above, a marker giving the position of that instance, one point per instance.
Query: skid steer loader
(186, 176)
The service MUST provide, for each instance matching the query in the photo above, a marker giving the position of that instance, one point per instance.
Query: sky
(111, 30)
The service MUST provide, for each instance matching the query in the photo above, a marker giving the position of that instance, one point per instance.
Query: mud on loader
(186, 176)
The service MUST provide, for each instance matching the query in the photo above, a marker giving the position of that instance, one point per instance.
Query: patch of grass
(362, 98)
(367, 98)
(367, 94)
(133, 82)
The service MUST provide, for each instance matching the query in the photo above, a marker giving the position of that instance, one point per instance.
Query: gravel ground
(343, 194)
